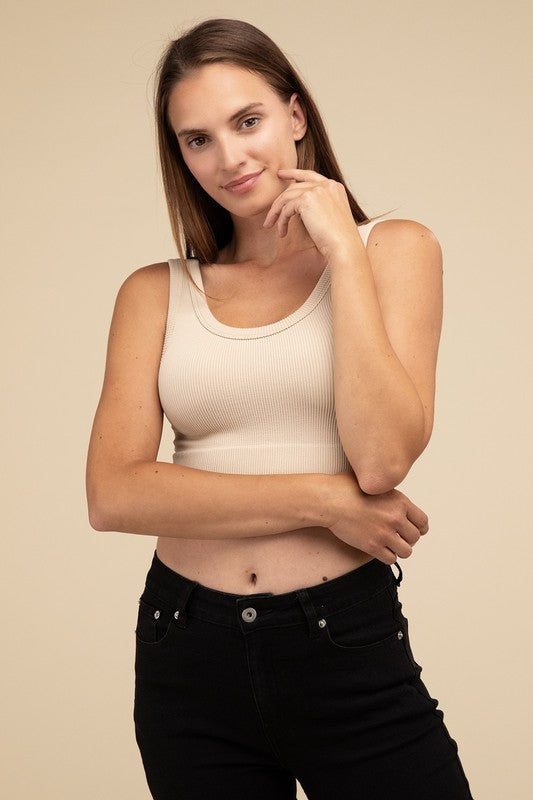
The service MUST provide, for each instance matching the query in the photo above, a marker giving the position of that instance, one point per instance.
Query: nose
(230, 154)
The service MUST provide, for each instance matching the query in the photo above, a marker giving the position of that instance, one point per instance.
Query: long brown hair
(200, 226)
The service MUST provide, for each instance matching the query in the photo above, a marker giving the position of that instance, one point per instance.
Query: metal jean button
(249, 614)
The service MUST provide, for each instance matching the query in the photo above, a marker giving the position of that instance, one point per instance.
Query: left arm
(387, 316)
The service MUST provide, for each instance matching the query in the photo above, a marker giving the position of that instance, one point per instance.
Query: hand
(386, 526)
(323, 208)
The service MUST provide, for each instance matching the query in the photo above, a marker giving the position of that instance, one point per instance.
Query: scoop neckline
(214, 325)
(211, 323)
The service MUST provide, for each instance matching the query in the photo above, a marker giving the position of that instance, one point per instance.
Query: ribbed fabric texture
(250, 400)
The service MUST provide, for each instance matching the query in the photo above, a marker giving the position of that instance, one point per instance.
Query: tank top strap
(177, 281)
(364, 230)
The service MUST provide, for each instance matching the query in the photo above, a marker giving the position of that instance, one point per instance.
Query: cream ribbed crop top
(250, 400)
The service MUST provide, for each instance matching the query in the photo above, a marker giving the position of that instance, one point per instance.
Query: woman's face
(231, 124)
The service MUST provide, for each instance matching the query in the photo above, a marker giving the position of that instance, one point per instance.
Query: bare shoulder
(406, 261)
(148, 282)
(405, 240)
(128, 419)
(144, 293)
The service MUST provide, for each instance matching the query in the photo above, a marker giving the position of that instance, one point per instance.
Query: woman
(270, 639)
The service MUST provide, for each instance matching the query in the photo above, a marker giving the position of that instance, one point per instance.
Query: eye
(253, 120)
(191, 142)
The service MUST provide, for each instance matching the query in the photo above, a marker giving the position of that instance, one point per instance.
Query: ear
(298, 117)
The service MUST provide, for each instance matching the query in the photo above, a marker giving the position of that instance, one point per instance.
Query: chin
(251, 211)
(252, 207)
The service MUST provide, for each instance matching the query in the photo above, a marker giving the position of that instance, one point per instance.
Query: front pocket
(154, 620)
(366, 625)
(407, 644)
(366, 648)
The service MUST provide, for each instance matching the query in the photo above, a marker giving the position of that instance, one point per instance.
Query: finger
(290, 193)
(282, 214)
(417, 517)
(289, 210)
(301, 174)
(399, 546)
(387, 557)
(409, 532)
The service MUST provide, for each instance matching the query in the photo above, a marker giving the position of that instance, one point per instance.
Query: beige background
(429, 108)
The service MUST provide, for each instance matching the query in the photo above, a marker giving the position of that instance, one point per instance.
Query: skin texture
(384, 361)
(387, 313)
(262, 139)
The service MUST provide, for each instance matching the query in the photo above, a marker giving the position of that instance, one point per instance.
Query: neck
(265, 248)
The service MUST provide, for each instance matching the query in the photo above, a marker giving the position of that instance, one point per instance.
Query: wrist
(348, 254)
(321, 499)
(348, 248)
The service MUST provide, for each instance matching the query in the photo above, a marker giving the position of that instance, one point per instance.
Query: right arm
(128, 490)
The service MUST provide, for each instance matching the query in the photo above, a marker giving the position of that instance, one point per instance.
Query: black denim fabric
(237, 696)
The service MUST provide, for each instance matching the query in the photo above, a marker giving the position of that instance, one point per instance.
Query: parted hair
(200, 225)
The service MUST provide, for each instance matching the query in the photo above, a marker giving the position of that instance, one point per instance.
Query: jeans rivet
(157, 614)
(176, 614)
(400, 635)
(321, 623)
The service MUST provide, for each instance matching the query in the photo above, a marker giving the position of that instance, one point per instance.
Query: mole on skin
(253, 577)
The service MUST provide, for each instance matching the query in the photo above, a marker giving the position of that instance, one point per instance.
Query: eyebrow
(236, 115)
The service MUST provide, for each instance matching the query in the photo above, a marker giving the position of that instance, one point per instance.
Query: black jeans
(236, 696)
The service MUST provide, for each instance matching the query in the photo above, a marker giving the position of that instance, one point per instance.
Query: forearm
(162, 499)
(379, 413)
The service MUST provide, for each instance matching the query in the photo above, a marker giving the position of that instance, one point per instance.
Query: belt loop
(398, 579)
(309, 611)
(181, 613)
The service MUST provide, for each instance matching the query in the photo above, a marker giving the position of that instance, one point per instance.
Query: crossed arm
(387, 317)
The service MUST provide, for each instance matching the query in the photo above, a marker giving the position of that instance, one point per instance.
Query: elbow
(111, 499)
(98, 521)
(378, 483)
(383, 472)
(379, 479)
(99, 518)
(101, 508)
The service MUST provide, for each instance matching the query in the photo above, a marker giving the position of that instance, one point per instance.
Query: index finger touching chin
(301, 174)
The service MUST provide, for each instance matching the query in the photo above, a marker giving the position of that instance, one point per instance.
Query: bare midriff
(276, 563)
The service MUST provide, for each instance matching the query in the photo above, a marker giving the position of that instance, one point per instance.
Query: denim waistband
(194, 599)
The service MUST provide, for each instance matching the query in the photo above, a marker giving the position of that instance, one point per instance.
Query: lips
(242, 180)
